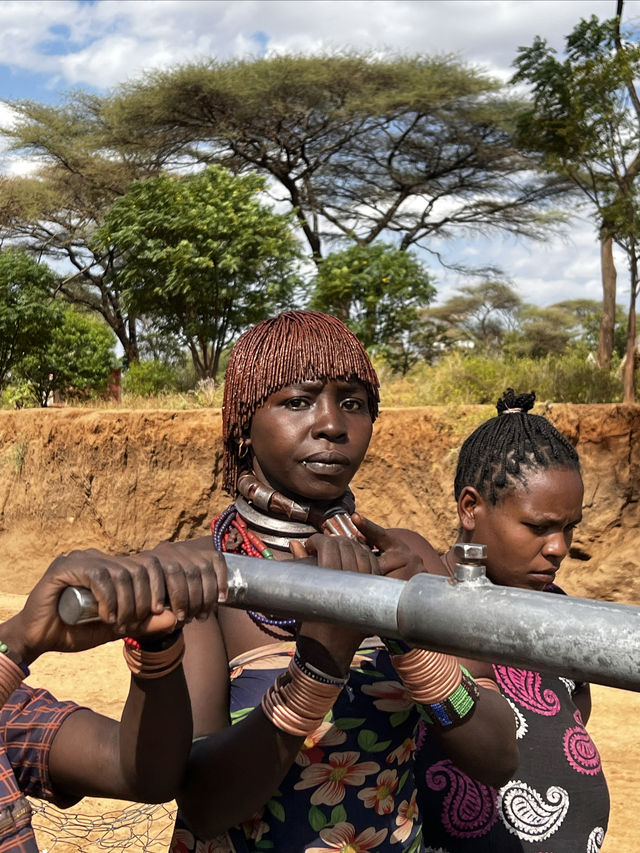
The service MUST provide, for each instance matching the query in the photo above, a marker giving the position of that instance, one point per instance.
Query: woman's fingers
(376, 536)
(192, 572)
(216, 583)
(341, 553)
(298, 549)
(132, 590)
(395, 555)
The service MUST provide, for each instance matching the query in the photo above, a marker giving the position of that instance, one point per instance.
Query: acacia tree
(480, 314)
(540, 332)
(201, 256)
(584, 119)
(360, 147)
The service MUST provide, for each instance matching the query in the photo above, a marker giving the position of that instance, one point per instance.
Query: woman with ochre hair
(519, 491)
(320, 753)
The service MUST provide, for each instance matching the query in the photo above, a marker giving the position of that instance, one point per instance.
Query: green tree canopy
(480, 314)
(202, 256)
(27, 312)
(54, 211)
(541, 332)
(76, 359)
(377, 291)
(586, 317)
(584, 120)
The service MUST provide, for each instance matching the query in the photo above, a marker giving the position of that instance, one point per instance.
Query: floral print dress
(351, 787)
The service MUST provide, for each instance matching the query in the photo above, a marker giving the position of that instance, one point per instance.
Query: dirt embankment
(122, 481)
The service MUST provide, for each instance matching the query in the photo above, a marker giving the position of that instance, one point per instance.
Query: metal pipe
(576, 637)
(368, 602)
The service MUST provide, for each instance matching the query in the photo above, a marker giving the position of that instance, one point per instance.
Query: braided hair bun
(512, 403)
(504, 450)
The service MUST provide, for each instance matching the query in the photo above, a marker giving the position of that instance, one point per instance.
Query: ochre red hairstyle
(294, 346)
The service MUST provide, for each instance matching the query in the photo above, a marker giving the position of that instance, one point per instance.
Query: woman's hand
(337, 552)
(402, 553)
(331, 647)
(150, 593)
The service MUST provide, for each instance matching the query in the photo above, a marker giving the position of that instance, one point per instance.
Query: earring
(243, 448)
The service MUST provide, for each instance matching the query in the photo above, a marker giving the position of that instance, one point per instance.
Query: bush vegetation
(454, 380)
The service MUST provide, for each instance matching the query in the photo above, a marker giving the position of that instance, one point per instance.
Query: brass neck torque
(260, 505)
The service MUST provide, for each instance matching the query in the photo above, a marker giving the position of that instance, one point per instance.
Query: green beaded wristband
(453, 710)
(396, 646)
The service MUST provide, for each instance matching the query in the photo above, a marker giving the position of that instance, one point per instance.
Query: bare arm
(218, 791)
(143, 757)
(484, 746)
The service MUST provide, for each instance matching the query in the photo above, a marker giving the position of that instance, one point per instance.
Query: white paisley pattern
(528, 814)
(569, 684)
(596, 840)
(521, 723)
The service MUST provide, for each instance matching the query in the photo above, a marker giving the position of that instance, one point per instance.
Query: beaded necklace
(251, 545)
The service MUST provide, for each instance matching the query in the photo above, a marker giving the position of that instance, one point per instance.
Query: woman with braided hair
(519, 492)
(320, 753)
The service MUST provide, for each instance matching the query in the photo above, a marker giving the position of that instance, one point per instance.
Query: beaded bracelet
(445, 693)
(318, 674)
(297, 703)
(153, 664)
(396, 646)
(453, 710)
(5, 650)
(154, 644)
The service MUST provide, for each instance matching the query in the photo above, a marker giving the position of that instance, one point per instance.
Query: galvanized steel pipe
(576, 637)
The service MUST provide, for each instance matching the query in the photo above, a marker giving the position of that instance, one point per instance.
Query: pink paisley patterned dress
(557, 801)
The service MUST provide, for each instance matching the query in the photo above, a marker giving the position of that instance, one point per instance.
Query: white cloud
(11, 164)
(114, 40)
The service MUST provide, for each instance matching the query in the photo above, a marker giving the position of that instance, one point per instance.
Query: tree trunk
(133, 353)
(608, 269)
(130, 347)
(630, 355)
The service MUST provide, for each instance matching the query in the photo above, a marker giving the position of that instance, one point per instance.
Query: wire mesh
(134, 827)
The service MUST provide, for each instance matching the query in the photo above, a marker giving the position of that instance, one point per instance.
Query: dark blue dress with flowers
(352, 784)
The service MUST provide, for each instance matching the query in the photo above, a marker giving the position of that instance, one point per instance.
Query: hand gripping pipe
(469, 616)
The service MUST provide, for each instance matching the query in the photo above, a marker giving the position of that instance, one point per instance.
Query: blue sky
(48, 47)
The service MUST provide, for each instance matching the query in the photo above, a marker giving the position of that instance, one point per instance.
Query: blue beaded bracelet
(317, 674)
(453, 710)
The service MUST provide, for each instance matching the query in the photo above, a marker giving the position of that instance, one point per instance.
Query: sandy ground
(99, 678)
